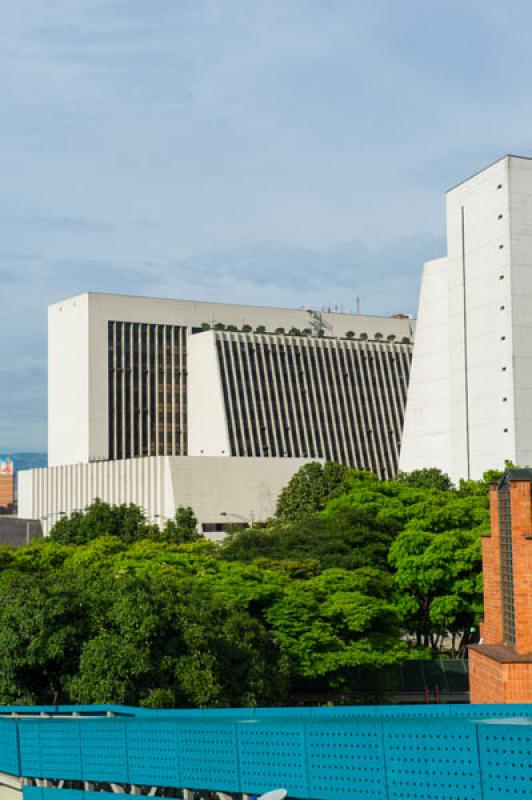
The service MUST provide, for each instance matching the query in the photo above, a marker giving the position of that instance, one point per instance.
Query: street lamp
(248, 520)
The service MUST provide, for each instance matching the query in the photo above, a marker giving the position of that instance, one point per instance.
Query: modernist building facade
(133, 379)
(470, 399)
(306, 397)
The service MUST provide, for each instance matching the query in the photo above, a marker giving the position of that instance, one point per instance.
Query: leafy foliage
(428, 478)
(353, 573)
(126, 522)
(309, 489)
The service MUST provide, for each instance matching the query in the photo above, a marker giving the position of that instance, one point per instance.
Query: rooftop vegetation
(293, 331)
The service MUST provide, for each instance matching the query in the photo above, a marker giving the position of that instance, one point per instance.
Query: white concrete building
(169, 402)
(220, 490)
(267, 395)
(117, 368)
(469, 405)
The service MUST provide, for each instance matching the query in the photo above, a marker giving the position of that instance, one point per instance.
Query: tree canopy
(353, 572)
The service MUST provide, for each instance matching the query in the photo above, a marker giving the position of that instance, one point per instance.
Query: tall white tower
(470, 399)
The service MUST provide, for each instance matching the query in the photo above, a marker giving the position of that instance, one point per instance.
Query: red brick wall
(494, 682)
(503, 679)
(6, 490)
(486, 679)
(518, 686)
(522, 563)
(491, 628)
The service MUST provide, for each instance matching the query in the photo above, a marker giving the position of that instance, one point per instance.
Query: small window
(503, 338)
(504, 399)
(501, 277)
(502, 308)
(499, 186)
(501, 247)
(504, 369)
(500, 216)
(506, 430)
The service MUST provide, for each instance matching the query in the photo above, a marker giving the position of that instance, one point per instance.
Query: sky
(271, 152)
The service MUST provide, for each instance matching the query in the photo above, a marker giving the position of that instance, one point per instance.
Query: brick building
(501, 666)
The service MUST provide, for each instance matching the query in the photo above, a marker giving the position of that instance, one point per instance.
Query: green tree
(439, 579)
(480, 488)
(309, 489)
(428, 478)
(351, 538)
(127, 522)
(42, 626)
(183, 528)
(336, 622)
(231, 659)
(135, 639)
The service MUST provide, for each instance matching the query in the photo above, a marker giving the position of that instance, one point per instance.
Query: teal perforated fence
(361, 753)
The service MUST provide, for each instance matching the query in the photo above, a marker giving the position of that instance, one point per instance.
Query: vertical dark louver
(319, 398)
(506, 558)
(147, 389)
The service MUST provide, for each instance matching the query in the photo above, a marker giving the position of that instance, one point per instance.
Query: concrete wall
(520, 290)
(239, 486)
(480, 328)
(78, 375)
(68, 381)
(471, 410)
(207, 420)
(245, 487)
(427, 428)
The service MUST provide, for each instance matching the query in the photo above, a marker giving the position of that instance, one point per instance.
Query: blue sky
(272, 152)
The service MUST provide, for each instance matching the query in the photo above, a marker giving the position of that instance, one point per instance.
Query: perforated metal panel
(432, 760)
(9, 760)
(35, 793)
(272, 755)
(362, 753)
(345, 761)
(284, 713)
(31, 793)
(91, 796)
(60, 745)
(30, 747)
(153, 752)
(506, 760)
(209, 757)
(103, 748)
